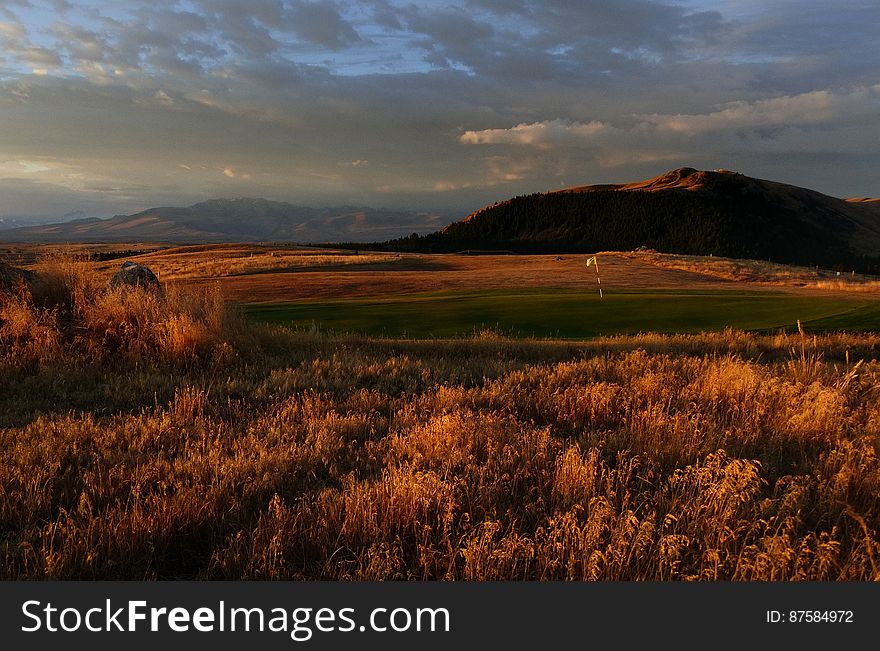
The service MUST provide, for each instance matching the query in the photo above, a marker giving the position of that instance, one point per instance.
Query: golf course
(423, 296)
(571, 313)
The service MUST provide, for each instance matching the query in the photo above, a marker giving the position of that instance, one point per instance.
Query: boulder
(132, 274)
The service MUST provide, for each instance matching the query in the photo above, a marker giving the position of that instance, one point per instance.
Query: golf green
(571, 314)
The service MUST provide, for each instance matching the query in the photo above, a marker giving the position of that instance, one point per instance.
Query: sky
(111, 106)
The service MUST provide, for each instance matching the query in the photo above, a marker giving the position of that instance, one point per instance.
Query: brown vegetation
(73, 316)
(154, 438)
(221, 260)
(250, 273)
(417, 273)
(759, 272)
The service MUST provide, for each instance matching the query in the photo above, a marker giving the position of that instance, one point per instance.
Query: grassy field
(164, 437)
(571, 314)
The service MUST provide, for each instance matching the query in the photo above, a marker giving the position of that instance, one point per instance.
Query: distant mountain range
(683, 211)
(235, 220)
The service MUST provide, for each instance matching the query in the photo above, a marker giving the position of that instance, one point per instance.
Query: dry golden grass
(29, 254)
(222, 260)
(73, 316)
(760, 272)
(253, 273)
(149, 437)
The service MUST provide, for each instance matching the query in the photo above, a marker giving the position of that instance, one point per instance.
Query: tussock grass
(149, 438)
(71, 316)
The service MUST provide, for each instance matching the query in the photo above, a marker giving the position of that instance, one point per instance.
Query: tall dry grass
(723, 456)
(71, 315)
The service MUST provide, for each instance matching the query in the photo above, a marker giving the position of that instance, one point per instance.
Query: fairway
(571, 314)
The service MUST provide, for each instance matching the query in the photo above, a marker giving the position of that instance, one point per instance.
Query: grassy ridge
(571, 314)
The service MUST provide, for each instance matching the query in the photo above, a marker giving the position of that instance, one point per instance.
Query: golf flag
(595, 261)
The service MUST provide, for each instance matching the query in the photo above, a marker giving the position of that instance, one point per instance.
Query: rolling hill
(683, 211)
(235, 220)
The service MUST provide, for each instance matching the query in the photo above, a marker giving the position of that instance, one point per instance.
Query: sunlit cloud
(17, 167)
(816, 107)
(539, 134)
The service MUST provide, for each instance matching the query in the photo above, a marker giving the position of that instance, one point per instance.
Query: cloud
(385, 15)
(538, 134)
(557, 40)
(786, 117)
(15, 168)
(813, 108)
(6, 9)
(763, 137)
(296, 92)
(448, 27)
(321, 24)
(450, 186)
(93, 199)
(16, 43)
(12, 32)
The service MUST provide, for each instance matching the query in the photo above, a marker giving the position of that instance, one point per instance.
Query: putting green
(571, 314)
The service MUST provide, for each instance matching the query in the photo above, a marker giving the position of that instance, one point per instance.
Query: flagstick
(595, 260)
